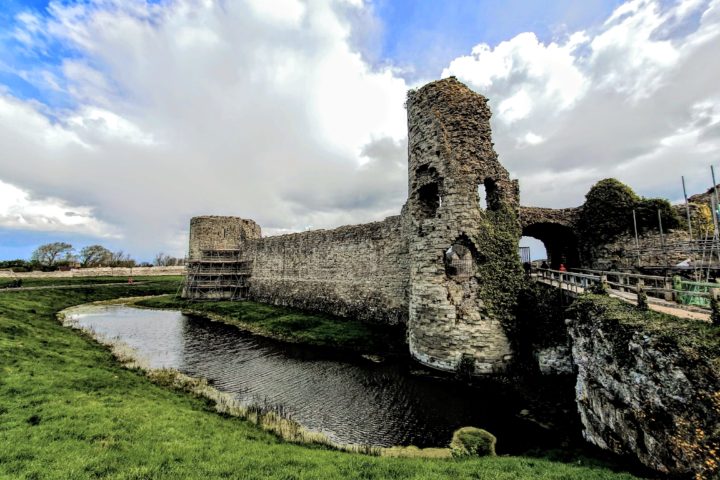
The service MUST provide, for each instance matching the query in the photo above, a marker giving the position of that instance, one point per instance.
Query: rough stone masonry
(447, 267)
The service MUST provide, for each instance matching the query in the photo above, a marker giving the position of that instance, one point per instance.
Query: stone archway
(555, 228)
(561, 243)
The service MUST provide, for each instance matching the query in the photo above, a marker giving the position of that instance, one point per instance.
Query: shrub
(701, 218)
(466, 367)
(647, 215)
(472, 442)
(607, 211)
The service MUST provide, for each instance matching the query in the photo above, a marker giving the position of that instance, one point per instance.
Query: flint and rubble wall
(358, 271)
(98, 272)
(622, 252)
(214, 232)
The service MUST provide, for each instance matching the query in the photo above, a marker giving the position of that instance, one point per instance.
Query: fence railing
(671, 289)
(573, 281)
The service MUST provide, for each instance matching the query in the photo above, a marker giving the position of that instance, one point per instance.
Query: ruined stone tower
(465, 269)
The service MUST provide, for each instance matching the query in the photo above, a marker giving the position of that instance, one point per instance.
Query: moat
(350, 399)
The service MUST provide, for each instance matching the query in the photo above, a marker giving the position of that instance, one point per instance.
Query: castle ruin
(446, 267)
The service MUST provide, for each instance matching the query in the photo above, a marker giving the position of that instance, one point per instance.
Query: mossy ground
(699, 338)
(292, 325)
(68, 410)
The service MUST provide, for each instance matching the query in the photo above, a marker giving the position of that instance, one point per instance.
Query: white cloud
(198, 107)
(531, 138)
(282, 12)
(534, 76)
(240, 108)
(635, 98)
(19, 210)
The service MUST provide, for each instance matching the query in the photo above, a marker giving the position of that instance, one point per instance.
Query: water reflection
(352, 401)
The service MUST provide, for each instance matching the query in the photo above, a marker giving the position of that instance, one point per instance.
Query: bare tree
(95, 256)
(121, 259)
(164, 260)
(50, 253)
(161, 259)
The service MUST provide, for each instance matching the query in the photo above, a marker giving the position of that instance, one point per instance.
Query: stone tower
(465, 270)
(214, 232)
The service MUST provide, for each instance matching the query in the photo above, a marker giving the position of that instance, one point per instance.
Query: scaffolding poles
(687, 208)
(218, 274)
(637, 240)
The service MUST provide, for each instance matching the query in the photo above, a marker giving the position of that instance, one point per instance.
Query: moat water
(351, 400)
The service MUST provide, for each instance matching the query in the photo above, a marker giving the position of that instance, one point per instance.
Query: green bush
(608, 213)
(646, 211)
(473, 442)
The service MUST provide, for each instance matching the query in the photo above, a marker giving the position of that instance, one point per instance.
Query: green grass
(43, 282)
(292, 325)
(696, 338)
(68, 410)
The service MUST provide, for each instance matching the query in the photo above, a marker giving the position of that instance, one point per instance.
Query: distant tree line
(59, 255)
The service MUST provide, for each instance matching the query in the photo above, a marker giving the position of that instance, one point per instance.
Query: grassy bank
(700, 340)
(79, 281)
(68, 410)
(292, 325)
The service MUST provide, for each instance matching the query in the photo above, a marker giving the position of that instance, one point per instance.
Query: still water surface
(350, 400)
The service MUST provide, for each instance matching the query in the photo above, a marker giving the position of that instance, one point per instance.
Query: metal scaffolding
(219, 274)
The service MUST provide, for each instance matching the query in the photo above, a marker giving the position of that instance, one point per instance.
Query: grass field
(42, 282)
(68, 410)
(292, 325)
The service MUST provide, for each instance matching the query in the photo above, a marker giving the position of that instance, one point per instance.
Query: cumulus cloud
(636, 98)
(187, 107)
(196, 107)
(18, 210)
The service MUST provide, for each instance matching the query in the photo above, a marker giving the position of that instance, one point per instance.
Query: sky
(121, 119)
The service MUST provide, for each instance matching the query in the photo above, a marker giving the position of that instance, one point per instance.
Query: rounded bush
(472, 442)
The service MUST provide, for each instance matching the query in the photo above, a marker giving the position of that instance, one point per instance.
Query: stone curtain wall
(465, 269)
(215, 232)
(358, 271)
(622, 253)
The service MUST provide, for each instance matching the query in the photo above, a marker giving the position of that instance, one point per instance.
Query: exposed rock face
(465, 269)
(647, 388)
(555, 360)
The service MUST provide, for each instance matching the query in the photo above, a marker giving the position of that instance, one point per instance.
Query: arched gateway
(556, 229)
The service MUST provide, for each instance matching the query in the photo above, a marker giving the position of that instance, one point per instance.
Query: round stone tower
(463, 233)
(219, 233)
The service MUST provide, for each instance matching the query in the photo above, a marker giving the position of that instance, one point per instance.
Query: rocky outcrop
(648, 385)
(556, 360)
